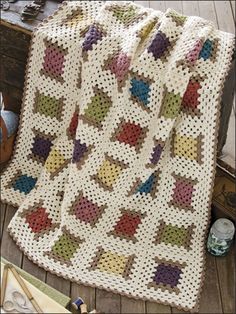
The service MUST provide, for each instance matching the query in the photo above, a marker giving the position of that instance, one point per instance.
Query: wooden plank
(224, 16)
(13, 20)
(14, 44)
(207, 11)
(88, 294)
(152, 307)
(33, 269)
(12, 71)
(143, 3)
(190, 8)
(176, 5)
(58, 283)
(226, 275)
(132, 306)
(158, 5)
(227, 101)
(9, 249)
(49, 8)
(210, 297)
(232, 3)
(2, 217)
(108, 302)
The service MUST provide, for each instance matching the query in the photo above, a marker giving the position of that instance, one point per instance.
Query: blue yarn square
(206, 50)
(140, 90)
(147, 186)
(24, 184)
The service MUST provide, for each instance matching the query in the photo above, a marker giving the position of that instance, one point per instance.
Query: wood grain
(210, 297)
(58, 283)
(108, 302)
(8, 47)
(226, 277)
(153, 307)
(9, 250)
(33, 269)
(143, 3)
(232, 3)
(132, 306)
(224, 16)
(158, 5)
(88, 294)
(176, 5)
(207, 11)
(2, 218)
(190, 8)
(12, 71)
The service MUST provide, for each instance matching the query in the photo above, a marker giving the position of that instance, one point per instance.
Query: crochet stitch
(114, 163)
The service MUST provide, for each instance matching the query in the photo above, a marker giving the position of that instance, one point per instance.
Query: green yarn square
(65, 247)
(48, 106)
(174, 235)
(171, 105)
(125, 16)
(97, 109)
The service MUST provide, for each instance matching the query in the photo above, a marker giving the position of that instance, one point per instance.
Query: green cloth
(46, 289)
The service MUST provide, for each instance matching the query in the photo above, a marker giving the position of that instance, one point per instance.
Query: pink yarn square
(54, 61)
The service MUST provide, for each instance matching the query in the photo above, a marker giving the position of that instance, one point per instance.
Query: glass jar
(220, 237)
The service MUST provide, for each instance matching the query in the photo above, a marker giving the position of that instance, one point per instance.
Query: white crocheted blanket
(114, 163)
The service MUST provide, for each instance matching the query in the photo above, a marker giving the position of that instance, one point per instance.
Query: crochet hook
(25, 289)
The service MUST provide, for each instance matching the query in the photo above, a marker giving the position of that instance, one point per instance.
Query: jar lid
(223, 228)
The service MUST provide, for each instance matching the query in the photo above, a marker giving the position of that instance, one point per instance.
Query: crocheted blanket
(114, 163)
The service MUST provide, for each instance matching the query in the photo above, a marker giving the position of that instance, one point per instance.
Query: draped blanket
(114, 162)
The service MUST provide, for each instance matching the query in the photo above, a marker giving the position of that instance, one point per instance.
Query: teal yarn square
(140, 90)
(147, 186)
(24, 184)
(206, 51)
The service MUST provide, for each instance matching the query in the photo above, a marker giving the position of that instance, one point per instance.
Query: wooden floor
(218, 291)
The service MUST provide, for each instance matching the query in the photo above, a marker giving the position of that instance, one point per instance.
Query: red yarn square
(129, 133)
(190, 99)
(38, 220)
(127, 224)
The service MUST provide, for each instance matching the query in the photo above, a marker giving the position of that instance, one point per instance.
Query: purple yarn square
(92, 37)
(79, 151)
(156, 154)
(167, 275)
(159, 45)
(41, 147)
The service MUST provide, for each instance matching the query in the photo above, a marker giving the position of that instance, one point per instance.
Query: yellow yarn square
(186, 147)
(54, 161)
(112, 263)
(109, 173)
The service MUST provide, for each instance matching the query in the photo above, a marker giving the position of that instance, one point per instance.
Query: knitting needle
(25, 289)
(4, 283)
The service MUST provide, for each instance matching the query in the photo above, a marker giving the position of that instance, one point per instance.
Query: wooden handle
(4, 283)
(26, 290)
